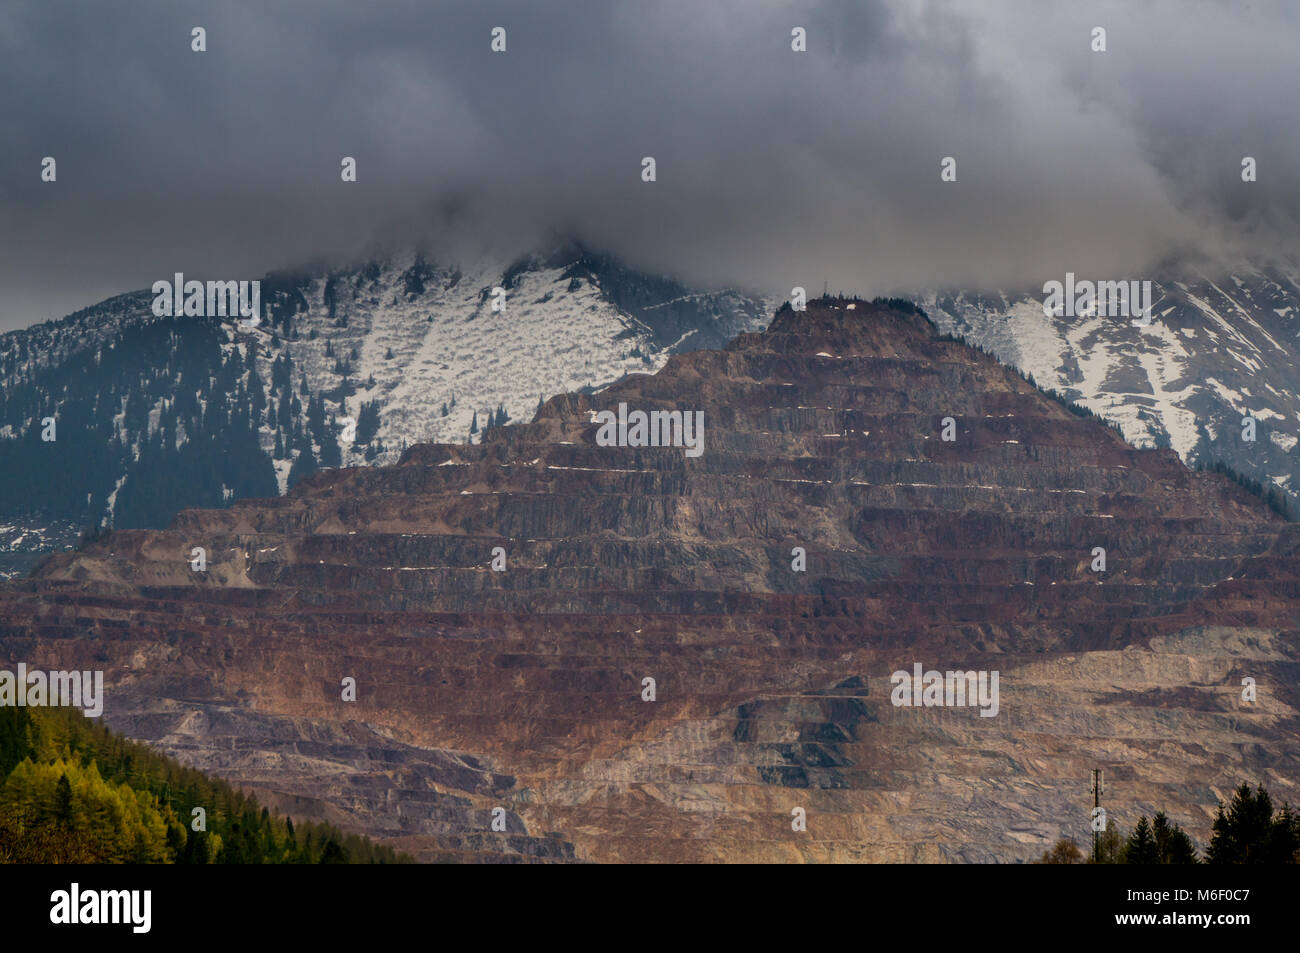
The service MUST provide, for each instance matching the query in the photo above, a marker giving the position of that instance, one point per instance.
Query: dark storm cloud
(775, 168)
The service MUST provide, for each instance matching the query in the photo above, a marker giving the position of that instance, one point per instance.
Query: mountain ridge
(524, 688)
(1219, 346)
(409, 350)
(154, 414)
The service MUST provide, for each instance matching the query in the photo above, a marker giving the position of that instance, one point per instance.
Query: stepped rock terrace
(523, 688)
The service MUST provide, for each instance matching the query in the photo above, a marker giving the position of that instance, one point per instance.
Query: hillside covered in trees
(73, 792)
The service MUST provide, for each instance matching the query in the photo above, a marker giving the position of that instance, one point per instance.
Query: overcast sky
(775, 168)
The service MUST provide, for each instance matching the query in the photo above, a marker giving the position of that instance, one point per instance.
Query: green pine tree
(1246, 831)
(303, 465)
(1172, 843)
(333, 854)
(1141, 846)
(63, 800)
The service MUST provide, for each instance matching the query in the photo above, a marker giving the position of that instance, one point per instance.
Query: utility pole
(1096, 805)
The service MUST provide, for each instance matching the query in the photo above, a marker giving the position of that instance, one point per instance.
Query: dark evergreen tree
(367, 422)
(1246, 832)
(1141, 847)
(316, 417)
(304, 465)
(1172, 843)
(330, 454)
(63, 800)
(284, 410)
(333, 854)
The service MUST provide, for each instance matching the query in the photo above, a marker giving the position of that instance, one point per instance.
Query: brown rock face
(523, 689)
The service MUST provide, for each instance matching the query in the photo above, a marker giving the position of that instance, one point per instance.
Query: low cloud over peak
(773, 167)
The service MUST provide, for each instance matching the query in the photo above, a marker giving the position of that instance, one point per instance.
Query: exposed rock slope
(522, 689)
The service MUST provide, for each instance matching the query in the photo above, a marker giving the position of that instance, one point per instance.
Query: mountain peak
(571, 612)
(348, 366)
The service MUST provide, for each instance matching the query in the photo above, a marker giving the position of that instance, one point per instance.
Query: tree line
(75, 792)
(1247, 830)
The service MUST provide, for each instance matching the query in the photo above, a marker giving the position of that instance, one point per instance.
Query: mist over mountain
(775, 167)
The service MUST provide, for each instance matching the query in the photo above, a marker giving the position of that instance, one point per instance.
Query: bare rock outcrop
(522, 689)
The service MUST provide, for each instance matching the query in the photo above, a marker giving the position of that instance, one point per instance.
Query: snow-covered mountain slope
(1216, 350)
(158, 413)
(440, 356)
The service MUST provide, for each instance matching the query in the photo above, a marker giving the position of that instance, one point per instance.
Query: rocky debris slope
(524, 689)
